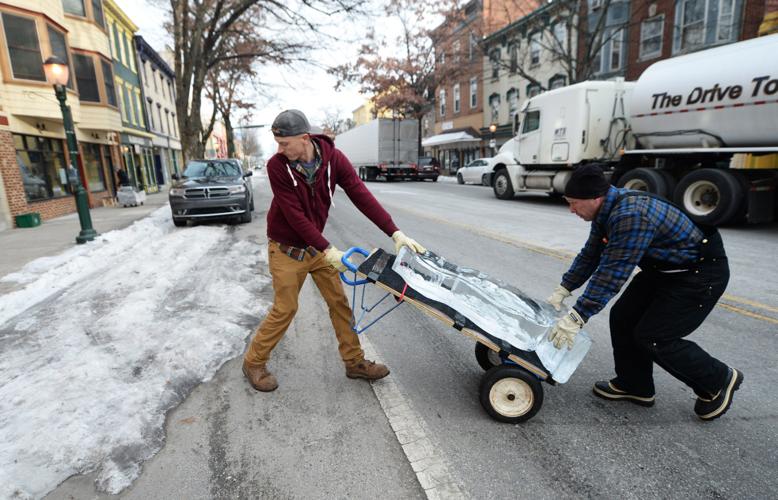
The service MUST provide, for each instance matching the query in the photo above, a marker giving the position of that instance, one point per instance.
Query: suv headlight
(177, 192)
(237, 189)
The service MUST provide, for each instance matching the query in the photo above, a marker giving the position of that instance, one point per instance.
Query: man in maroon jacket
(303, 175)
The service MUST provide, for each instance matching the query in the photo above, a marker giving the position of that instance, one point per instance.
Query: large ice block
(499, 309)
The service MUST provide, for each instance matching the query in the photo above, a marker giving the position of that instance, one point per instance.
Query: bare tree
(209, 32)
(402, 82)
(334, 123)
(249, 143)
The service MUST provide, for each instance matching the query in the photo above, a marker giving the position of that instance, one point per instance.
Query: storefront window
(95, 175)
(42, 165)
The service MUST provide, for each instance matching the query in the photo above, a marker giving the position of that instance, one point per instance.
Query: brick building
(667, 28)
(453, 130)
(35, 169)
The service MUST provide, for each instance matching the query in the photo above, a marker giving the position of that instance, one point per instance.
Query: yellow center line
(566, 256)
(745, 312)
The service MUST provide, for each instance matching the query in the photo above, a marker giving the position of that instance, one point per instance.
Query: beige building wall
(29, 107)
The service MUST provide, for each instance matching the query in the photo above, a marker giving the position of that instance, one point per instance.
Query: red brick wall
(753, 12)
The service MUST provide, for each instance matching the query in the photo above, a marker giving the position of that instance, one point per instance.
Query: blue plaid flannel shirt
(622, 235)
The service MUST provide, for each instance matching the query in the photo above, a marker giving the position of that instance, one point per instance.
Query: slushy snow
(105, 338)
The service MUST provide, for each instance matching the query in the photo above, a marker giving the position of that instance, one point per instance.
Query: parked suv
(210, 189)
(427, 168)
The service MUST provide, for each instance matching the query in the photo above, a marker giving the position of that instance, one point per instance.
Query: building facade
(35, 170)
(158, 93)
(522, 60)
(454, 128)
(668, 28)
(137, 147)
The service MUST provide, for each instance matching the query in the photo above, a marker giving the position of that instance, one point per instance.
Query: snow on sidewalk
(106, 337)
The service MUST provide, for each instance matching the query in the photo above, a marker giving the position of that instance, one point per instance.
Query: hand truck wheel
(510, 394)
(486, 357)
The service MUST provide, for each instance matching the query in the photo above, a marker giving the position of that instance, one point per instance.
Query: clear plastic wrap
(499, 309)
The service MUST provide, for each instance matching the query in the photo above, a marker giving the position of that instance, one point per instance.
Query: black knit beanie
(587, 182)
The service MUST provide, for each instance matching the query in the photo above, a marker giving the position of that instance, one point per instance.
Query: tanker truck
(699, 129)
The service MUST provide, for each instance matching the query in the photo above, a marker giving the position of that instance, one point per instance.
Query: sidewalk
(22, 245)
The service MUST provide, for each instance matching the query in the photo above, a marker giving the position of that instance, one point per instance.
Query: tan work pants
(288, 277)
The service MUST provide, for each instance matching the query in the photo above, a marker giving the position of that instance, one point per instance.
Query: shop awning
(449, 139)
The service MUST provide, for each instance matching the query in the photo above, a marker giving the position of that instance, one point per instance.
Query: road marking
(746, 312)
(566, 256)
(427, 462)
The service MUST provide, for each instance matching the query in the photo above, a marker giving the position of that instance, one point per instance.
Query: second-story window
(110, 89)
(456, 49)
(59, 48)
(97, 12)
(692, 24)
(513, 53)
(651, 37)
(75, 7)
(86, 78)
(473, 92)
(442, 102)
(23, 48)
(494, 57)
(150, 110)
(534, 49)
(513, 102)
(457, 99)
(617, 51)
(89, 9)
(724, 29)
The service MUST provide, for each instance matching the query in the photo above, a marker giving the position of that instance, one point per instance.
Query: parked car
(427, 167)
(211, 189)
(476, 172)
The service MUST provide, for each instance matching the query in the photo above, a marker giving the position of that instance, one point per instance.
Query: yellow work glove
(334, 257)
(565, 330)
(400, 240)
(558, 297)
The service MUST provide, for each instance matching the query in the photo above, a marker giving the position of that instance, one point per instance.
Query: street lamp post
(57, 73)
(493, 141)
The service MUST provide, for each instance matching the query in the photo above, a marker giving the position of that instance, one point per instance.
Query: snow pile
(106, 337)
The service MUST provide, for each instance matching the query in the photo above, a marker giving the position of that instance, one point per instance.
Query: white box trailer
(382, 149)
(699, 129)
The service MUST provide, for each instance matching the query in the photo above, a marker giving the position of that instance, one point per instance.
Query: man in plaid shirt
(683, 272)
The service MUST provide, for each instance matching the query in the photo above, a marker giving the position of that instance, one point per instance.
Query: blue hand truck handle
(351, 267)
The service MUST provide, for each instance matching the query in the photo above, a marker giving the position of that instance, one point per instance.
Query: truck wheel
(487, 358)
(503, 189)
(510, 394)
(650, 180)
(460, 180)
(709, 195)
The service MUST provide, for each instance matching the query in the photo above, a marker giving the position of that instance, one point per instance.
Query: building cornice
(119, 14)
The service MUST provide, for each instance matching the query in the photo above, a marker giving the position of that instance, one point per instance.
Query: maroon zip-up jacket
(299, 212)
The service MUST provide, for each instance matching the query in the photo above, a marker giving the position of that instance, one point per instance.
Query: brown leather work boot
(369, 370)
(260, 378)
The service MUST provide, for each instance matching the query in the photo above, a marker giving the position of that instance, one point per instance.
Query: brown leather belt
(296, 253)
